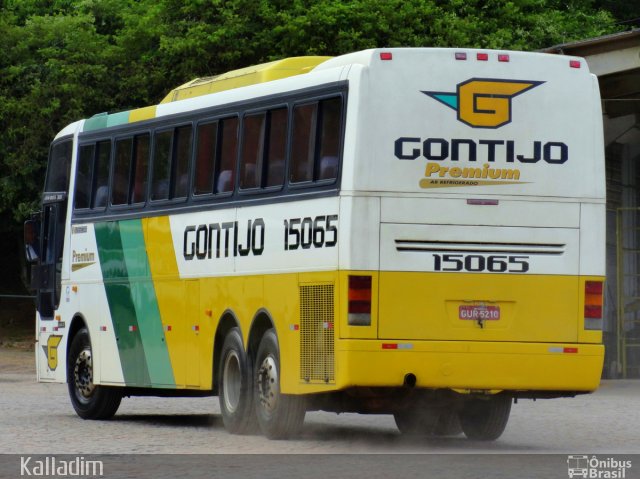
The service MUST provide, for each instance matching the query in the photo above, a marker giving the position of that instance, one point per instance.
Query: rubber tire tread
(485, 419)
(244, 420)
(288, 417)
(427, 422)
(105, 401)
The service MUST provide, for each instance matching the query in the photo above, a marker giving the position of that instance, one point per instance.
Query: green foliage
(62, 60)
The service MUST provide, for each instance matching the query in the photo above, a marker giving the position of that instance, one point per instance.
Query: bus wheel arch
(90, 401)
(77, 323)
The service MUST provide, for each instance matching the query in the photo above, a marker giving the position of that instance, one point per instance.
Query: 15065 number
(304, 233)
(477, 263)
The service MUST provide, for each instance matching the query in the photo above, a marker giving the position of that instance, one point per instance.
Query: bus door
(44, 242)
(44, 236)
(46, 275)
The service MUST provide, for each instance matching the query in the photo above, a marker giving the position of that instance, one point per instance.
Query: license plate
(479, 312)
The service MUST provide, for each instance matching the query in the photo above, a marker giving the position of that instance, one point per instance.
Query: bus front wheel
(235, 386)
(280, 416)
(90, 401)
(485, 419)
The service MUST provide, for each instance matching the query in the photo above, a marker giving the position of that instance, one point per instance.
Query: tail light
(593, 305)
(359, 309)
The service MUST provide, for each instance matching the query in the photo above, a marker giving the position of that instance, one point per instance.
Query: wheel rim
(83, 375)
(231, 381)
(268, 384)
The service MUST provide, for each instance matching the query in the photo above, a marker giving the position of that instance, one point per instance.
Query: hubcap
(83, 374)
(268, 384)
(231, 381)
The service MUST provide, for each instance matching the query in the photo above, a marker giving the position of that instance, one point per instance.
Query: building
(615, 59)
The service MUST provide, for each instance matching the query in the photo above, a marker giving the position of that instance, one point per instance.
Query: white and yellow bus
(417, 232)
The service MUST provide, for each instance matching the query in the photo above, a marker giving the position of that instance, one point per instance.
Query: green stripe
(145, 303)
(119, 297)
(105, 120)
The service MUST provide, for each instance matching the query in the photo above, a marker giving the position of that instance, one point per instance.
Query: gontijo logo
(484, 102)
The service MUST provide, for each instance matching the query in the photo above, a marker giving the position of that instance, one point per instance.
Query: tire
(280, 416)
(427, 422)
(485, 419)
(448, 424)
(89, 400)
(235, 386)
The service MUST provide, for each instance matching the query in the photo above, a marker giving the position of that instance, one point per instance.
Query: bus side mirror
(32, 240)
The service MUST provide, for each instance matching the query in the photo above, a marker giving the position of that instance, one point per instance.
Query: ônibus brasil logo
(484, 102)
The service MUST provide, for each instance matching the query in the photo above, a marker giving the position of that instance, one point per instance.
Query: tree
(62, 60)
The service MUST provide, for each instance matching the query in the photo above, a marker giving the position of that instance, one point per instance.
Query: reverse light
(359, 309)
(593, 304)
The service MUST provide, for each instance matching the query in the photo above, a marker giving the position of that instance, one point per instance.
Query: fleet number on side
(232, 238)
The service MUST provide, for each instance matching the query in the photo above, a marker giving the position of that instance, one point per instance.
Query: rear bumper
(466, 365)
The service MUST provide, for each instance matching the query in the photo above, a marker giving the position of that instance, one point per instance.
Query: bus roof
(245, 76)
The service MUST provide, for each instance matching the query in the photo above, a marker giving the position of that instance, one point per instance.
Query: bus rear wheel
(89, 400)
(280, 416)
(427, 422)
(485, 419)
(236, 386)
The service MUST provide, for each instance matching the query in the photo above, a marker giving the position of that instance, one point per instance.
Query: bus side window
(121, 172)
(181, 160)
(303, 143)
(330, 129)
(100, 188)
(84, 172)
(276, 147)
(140, 168)
(228, 153)
(161, 165)
(205, 158)
(252, 151)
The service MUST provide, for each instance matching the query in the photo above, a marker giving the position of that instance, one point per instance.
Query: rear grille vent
(478, 247)
(317, 333)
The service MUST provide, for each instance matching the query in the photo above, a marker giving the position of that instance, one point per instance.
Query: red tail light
(359, 309)
(593, 304)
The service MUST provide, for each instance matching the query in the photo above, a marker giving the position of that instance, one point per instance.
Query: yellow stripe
(177, 313)
(146, 113)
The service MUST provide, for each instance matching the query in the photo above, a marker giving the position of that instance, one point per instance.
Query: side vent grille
(317, 333)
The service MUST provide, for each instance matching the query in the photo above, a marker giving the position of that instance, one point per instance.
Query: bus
(408, 231)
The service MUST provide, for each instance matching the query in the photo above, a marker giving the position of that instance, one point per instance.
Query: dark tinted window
(82, 196)
(315, 149)
(140, 168)
(160, 181)
(182, 157)
(122, 172)
(101, 175)
(276, 147)
(252, 148)
(59, 167)
(225, 171)
(330, 130)
(303, 143)
(205, 158)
